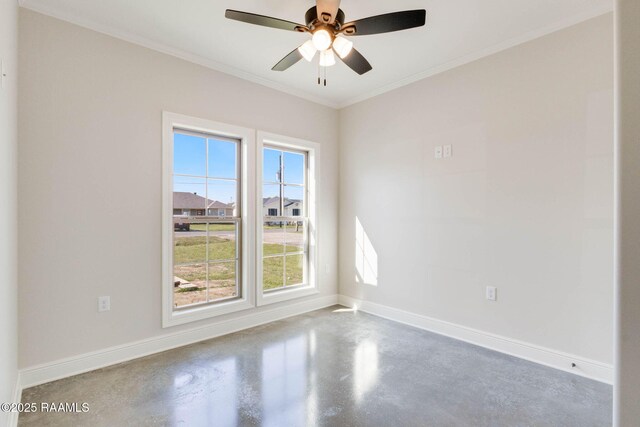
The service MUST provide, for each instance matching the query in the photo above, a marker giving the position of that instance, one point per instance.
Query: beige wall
(90, 129)
(627, 388)
(525, 203)
(8, 203)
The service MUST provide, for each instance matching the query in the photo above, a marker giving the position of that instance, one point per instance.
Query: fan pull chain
(325, 76)
(318, 72)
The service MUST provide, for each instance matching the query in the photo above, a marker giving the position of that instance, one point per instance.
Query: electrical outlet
(104, 303)
(492, 293)
(447, 151)
(437, 152)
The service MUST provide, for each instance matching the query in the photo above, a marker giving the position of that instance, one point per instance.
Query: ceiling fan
(325, 23)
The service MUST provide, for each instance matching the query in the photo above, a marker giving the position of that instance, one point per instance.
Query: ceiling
(457, 31)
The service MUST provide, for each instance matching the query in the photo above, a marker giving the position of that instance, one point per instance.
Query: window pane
(271, 165)
(295, 270)
(206, 183)
(189, 196)
(189, 155)
(222, 159)
(293, 200)
(294, 168)
(222, 280)
(271, 199)
(222, 241)
(189, 246)
(190, 284)
(273, 235)
(273, 272)
(221, 200)
(294, 236)
(284, 242)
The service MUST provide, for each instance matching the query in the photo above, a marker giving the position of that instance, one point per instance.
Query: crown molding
(175, 52)
(218, 66)
(479, 54)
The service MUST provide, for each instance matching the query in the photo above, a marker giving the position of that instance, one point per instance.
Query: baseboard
(531, 352)
(67, 367)
(12, 417)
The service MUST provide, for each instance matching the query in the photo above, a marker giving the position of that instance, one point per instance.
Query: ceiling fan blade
(327, 10)
(356, 62)
(288, 60)
(265, 21)
(388, 22)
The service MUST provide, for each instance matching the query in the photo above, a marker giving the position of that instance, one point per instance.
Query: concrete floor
(331, 367)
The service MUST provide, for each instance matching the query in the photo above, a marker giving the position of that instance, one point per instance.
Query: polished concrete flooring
(331, 367)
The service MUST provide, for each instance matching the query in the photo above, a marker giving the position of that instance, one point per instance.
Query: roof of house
(287, 202)
(219, 205)
(185, 200)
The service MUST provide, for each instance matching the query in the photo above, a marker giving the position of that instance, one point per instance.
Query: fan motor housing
(311, 18)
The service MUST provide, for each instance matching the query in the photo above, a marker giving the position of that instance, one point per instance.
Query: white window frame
(313, 154)
(247, 300)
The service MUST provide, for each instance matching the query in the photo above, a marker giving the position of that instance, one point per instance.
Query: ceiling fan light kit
(308, 50)
(342, 46)
(321, 39)
(327, 58)
(325, 23)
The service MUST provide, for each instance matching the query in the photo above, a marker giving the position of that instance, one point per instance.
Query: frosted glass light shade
(307, 50)
(321, 39)
(342, 46)
(327, 58)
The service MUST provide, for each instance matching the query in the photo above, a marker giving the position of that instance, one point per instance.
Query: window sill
(286, 294)
(188, 315)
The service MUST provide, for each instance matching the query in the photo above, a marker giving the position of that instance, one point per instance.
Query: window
(287, 253)
(206, 266)
(204, 239)
(239, 219)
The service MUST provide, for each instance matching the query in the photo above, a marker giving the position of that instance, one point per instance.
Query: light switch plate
(104, 303)
(448, 152)
(492, 293)
(437, 152)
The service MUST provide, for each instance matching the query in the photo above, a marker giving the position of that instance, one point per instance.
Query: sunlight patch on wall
(366, 258)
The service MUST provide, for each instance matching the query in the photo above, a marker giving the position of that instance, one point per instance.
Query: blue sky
(190, 158)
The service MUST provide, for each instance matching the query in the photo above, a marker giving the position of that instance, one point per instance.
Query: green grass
(272, 271)
(194, 249)
(189, 250)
